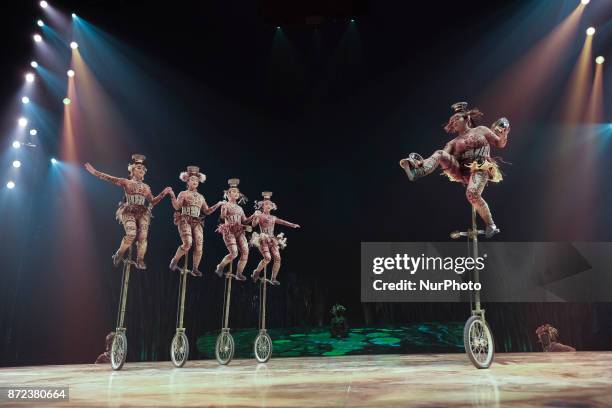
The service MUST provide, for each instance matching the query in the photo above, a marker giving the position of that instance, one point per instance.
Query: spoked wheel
(179, 349)
(224, 348)
(118, 351)
(478, 342)
(262, 347)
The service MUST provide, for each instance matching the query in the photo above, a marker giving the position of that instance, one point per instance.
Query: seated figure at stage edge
(467, 158)
(265, 240)
(189, 206)
(233, 230)
(133, 213)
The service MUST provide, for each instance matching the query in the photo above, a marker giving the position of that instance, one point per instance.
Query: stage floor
(526, 379)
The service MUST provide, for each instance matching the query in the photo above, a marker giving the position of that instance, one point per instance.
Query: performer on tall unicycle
(233, 229)
(265, 241)
(133, 213)
(190, 208)
(466, 158)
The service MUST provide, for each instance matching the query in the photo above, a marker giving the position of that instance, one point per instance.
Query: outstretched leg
(265, 253)
(230, 243)
(243, 245)
(129, 224)
(186, 241)
(416, 169)
(198, 249)
(141, 244)
(277, 263)
(476, 185)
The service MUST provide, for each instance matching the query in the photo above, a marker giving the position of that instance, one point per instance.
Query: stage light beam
(585, 2)
(10, 185)
(70, 73)
(590, 31)
(40, 23)
(33, 132)
(16, 144)
(23, 122)
(66, 101)
(74, 45)
(44, 4)
(34, 64)
(600, 60)
(25, 100)
(29, 77)
(53, 160)
(16, 164)
(37, 38)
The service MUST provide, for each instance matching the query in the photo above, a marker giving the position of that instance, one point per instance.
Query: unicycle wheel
(478, 342)
(179, 349)
(118, 351)
(262, 347)
(224, 348)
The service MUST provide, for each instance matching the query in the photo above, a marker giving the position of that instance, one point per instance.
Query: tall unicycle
(224, 347)
(179, 348)
(118, 352)
(262, 348)
(477, 336)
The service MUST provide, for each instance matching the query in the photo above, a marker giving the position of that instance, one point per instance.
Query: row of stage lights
(30, 78)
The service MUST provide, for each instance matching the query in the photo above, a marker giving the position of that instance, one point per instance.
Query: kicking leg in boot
(478, 181)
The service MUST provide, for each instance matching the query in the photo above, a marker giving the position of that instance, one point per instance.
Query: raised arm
(177, 203)
(286, 223)
(159, 197)
(118, 181)
(209, 210)
(498, 134)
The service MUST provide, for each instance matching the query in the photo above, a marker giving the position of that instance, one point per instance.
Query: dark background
(319, 114)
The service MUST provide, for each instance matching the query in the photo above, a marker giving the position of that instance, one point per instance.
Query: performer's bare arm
(286, 223)
(118, 181)
(209, 210)
(246, 220)
(255, 218)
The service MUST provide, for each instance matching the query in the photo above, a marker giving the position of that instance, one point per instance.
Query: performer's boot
(117, 258)
(255, 274)
(275, 270)
(221, 267)
(173, 264)
(412, 171)
(175, 260)
(197, 257)
(141, 250)
(491, 230)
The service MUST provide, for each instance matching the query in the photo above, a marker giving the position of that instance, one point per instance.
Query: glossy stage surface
(527, 379)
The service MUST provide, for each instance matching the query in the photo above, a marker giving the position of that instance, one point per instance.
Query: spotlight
(33, 132)
(16, 164)
(10, 185)
(37, 38)
(70, 73)
(16, 144)
(34, 64)
(44, 4)
(25, 100)
(40, 23)
(599, 60)
(23, 122)
(66, 101)
(73, 15)
(590, 31)
(53, 160)
(74, 45)
(585, 2)
(352, 20)
(29, 77)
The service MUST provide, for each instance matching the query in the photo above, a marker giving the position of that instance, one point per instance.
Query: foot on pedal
(275, 282)
(116, 259)
(173, 264)
(240, 277)
(491, 230)
(255, 276)
(196, 273)
(140, 264)
(219, 270)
